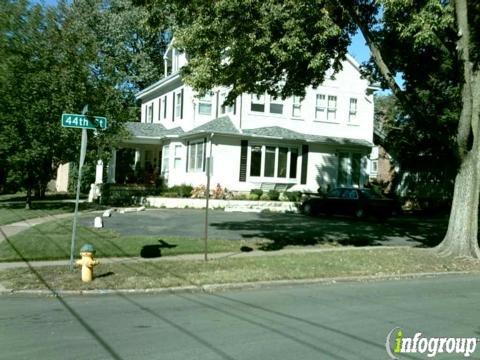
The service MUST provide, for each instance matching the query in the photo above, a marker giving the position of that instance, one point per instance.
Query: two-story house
(319, 141)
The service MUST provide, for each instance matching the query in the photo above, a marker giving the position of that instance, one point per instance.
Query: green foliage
(183, 191)
(125, 195)
(273, 195)
(57, 59)
(258, 192)
(295, 196)
(255, 46)
(253, 196)
(265, 197)
(88, 178)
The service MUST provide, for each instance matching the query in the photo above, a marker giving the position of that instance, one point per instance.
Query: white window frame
(352, 110)
(224, 109)
(296, 107)
(275, 101)
(193, 151)
(320, 107)
(332, 108)
(257, 100)
(177, 162)
(275, 177)
(165, 159)
(178, 104)
(205, 102)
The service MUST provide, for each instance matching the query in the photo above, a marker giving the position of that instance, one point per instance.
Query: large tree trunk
(461, 238)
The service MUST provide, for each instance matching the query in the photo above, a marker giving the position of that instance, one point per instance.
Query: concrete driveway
(280, 229)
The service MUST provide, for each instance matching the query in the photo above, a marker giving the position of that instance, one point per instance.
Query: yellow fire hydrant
(87, 262)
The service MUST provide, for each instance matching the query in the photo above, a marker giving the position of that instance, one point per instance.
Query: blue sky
(358, 49)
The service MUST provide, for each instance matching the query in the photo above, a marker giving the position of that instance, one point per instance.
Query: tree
(57, 59)
(281, 47)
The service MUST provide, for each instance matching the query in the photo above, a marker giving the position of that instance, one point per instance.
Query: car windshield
(369, 194)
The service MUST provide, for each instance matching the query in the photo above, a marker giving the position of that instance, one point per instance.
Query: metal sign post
(83, 122)
(207, 197)
(83, 150)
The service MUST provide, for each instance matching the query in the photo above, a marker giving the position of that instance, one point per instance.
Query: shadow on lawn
(50, 206)
(292, 229)
(154, 251)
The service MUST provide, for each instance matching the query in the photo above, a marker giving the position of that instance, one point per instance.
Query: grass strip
(51, 241)
(11, 213)
(164, 274)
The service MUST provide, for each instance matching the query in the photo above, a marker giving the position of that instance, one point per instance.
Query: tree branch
(376, 54)
(463, 46)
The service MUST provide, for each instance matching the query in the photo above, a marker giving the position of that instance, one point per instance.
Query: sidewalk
(195, 257)
(12, 229)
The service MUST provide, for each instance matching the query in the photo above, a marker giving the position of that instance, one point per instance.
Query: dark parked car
(351, 201)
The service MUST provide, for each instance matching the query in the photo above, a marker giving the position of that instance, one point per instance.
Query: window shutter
(204, 152)
(243, 160)
(186, 162)
(303, 177)
(217, 105)
(235, 107)
(173, 107)
(181, 106)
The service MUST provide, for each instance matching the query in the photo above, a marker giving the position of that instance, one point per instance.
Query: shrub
(294, 196)
(240, 197)
(183, 190)
(124, 195)
(253, 196)
(258, 192)
(265, 197)
(273, 195)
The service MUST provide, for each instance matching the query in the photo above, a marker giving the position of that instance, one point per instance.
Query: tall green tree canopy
(54, 60)
(282, 46)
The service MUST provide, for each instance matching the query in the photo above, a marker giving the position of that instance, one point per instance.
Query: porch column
(99, 172)
(111, 167)
(138, 157)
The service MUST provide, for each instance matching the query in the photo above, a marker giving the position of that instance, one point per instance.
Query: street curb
(212, 288)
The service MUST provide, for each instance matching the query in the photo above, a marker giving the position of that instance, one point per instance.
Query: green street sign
(83, 121)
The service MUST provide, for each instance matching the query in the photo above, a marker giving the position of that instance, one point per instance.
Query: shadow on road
(292, 229)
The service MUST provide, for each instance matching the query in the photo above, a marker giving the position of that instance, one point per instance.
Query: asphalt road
(282, 229)
(337, 321)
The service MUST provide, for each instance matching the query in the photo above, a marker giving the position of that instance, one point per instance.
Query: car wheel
(307, 209)
(359, 213)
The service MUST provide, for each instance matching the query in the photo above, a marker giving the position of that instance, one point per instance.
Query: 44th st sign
(84, 121)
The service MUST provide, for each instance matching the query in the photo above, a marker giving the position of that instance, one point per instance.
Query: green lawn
(10, 213)
(164, 273)
(52, 241)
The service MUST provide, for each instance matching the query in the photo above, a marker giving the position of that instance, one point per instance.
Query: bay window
(273, 161)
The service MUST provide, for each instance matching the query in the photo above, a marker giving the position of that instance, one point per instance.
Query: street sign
(83, 121)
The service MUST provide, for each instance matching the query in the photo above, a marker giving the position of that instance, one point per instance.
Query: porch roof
(144, 130)
(220, 125)
(287, 134)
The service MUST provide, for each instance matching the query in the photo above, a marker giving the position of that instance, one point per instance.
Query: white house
(320, 141)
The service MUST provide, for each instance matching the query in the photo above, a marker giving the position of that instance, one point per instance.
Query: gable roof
(221, 125)
(138, 129)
